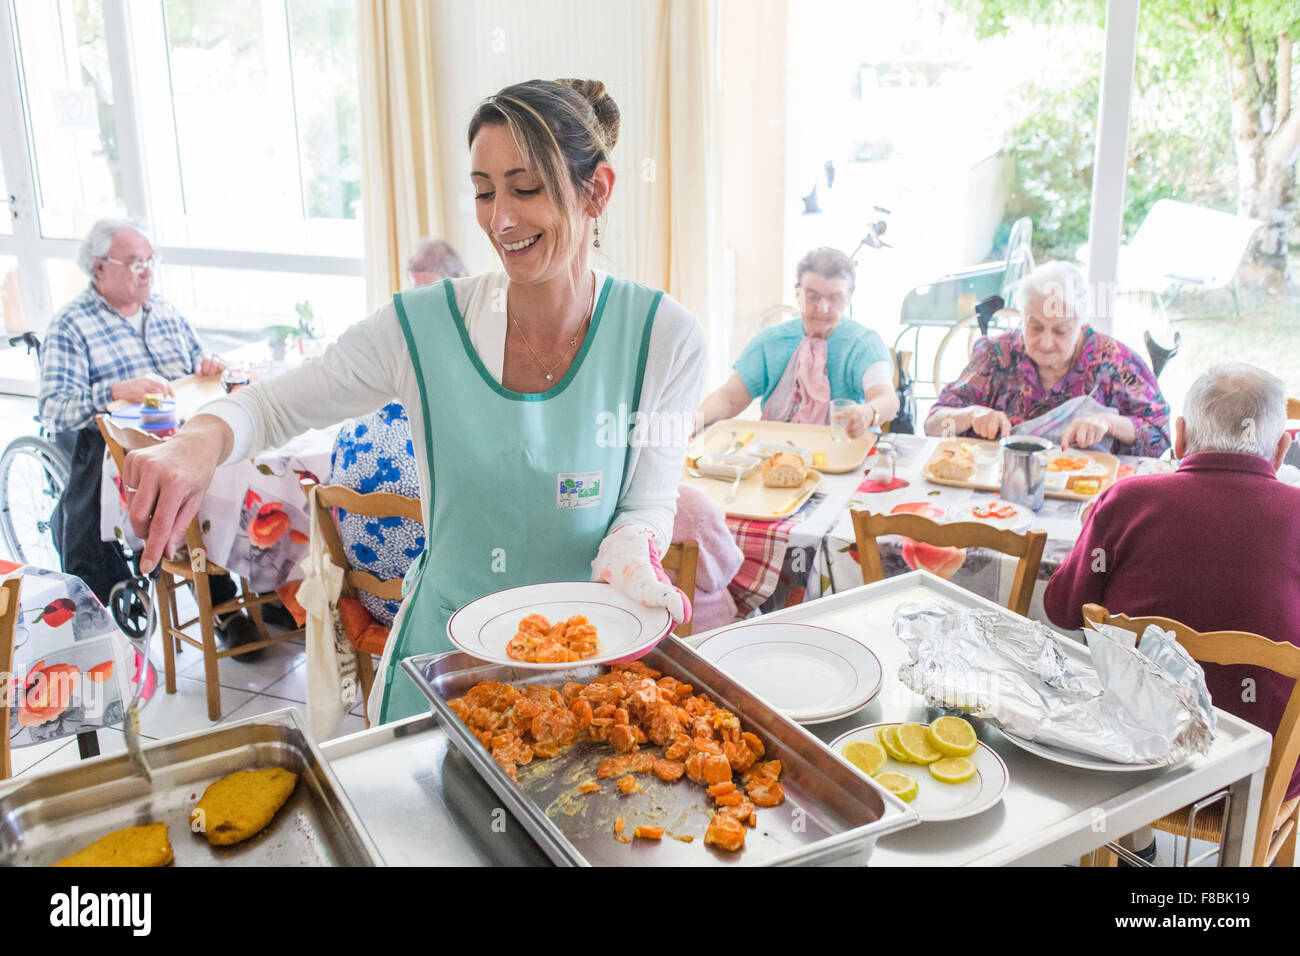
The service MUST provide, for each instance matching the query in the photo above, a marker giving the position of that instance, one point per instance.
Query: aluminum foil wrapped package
(1146, 704)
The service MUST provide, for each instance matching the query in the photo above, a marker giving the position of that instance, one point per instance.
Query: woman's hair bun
(602, 104)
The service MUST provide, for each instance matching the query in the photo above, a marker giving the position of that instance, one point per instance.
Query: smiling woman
(509, 380)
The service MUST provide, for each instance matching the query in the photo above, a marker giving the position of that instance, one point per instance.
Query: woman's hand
(990, 423)
(166, 483)
(1086, 431)
(629, 561)
(864, 417)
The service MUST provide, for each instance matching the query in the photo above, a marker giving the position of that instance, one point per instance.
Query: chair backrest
(1020, 259)
(777, 314)
(1293, 409)
(1028, 547)
(1238, 647)
(1191, 243)
(9, 685)
(376, 504)
(683, 557)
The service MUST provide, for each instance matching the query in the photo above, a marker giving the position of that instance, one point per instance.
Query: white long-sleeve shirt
(369, 366)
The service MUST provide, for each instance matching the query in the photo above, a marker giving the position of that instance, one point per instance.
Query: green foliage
(1180, 143)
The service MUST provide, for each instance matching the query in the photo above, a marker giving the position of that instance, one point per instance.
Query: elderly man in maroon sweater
(1216, 545)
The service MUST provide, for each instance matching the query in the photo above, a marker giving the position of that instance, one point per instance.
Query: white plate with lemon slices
(982, 774)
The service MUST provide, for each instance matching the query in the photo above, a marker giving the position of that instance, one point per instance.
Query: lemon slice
(901, 785)
(953, 769)
(865, 755)
(952, 737)
(912, 740)
(888, 737)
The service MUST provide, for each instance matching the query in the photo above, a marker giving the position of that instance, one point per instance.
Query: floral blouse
(374, 453)
(1002, 376)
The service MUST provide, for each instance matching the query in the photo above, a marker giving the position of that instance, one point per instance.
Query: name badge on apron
(578, 489)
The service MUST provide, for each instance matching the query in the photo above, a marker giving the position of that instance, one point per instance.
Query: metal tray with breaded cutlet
(831, 814)
(48, 817)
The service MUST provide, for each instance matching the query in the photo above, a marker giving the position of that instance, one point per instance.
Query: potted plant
(279, 335)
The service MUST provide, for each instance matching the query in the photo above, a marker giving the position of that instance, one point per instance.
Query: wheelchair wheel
(33, 474)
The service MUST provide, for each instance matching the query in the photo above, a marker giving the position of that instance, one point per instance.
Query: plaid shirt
(89, 348)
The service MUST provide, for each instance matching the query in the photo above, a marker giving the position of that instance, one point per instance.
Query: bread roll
(784, 470)
(953, 464)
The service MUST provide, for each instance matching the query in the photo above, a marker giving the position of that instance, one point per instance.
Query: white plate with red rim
(994, 512)
(625, 628)
(810, 674)
(936, 801)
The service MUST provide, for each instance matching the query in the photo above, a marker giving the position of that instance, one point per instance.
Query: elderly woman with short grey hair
(1057, 377)
(798, 368)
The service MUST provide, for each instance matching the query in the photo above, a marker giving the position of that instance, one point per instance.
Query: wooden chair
(1028, 547)
(378, 504)
(194, 568)
(1275, 840)
(683, 557)
(1293, 409)
(10, 687)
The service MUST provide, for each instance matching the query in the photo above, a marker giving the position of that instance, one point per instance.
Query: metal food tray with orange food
(831, 814)
(988, 480)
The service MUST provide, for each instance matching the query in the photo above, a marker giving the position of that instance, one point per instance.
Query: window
(254, 104)
(237, 141)
(67, 95)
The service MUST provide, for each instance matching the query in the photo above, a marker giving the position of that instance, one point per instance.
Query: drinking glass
(842, 412)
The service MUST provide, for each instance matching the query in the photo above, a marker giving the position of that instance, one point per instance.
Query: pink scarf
(804, 392)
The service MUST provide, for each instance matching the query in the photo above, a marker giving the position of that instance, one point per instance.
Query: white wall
(489, 44)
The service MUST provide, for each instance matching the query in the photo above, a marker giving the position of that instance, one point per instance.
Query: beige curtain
(678, 253)
(399, 185)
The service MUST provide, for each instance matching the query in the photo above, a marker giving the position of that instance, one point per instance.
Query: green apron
(522, 488)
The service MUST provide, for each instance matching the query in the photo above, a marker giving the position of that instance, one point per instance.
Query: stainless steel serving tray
(45, 818)
(831, 814)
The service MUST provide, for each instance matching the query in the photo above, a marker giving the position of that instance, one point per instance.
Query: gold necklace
(573, 342)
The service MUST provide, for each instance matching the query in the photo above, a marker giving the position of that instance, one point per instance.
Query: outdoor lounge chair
(1180, 245)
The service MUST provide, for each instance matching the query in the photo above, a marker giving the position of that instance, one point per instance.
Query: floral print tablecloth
(72, 667)
(254, 516)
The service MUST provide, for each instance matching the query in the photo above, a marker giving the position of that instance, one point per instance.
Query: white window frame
(33, 251)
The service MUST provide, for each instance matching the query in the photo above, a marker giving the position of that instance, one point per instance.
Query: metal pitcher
(1024, 469)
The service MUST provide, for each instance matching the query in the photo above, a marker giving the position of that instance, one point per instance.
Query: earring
(596, 243)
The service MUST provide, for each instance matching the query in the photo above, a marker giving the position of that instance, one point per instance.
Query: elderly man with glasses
(117, 340)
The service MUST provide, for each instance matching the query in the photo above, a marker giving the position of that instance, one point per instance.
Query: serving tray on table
(1105, 467)
(754, 500)
(45, 818)
(840, 456)
(831, 814)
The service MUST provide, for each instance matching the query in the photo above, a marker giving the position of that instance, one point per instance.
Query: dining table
(239, 514)
(821, 554)
(72, 669)
(424, 803)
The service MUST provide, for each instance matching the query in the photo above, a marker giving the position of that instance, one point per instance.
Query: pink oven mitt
(629, 560)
